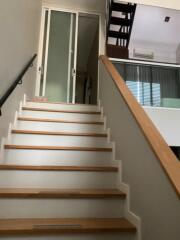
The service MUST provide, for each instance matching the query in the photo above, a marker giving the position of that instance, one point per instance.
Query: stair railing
(16, 82)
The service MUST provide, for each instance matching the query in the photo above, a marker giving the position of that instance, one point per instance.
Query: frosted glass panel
(58, 56)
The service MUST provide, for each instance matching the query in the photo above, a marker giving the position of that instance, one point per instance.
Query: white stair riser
(59, 127)
(77, 107)
(61, 208)
(52, 157)
(62, 116)
(60, 179)
(117, 236)
(52, 140)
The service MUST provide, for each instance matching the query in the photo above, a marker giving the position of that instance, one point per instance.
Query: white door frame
(46, 53)
(41, 41)
(40, 52)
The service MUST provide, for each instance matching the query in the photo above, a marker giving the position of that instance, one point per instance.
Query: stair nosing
(59, 168)
(59, 111)
(80, 134)
(29, 119)
(61, 193)
(57, 148)
(48, 226)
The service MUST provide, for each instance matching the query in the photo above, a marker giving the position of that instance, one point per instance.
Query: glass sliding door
(59, 56)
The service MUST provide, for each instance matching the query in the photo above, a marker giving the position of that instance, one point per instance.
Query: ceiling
(149, 26)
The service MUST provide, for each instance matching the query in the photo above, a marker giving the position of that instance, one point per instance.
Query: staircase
(58, 178)
(121, 17)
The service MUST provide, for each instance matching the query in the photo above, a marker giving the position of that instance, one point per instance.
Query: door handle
(40, 69)
(73, 72)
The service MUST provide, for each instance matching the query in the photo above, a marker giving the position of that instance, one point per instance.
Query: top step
(63, 106)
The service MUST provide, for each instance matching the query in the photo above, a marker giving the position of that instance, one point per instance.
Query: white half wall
(19, 27)
(167, 121)
(152, 196)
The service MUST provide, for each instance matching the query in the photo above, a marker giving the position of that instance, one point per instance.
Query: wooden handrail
(163, 152)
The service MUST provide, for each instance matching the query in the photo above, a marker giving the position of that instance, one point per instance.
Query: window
(147, 94)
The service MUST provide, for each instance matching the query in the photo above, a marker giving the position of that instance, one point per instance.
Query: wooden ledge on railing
(168, 160)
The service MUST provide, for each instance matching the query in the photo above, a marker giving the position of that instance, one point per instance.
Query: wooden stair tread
(60, 193)
(59, 168)
(15, 131)
(116, 34)
(60, 226)
(58, 121)
(60, 148)
(59, 111)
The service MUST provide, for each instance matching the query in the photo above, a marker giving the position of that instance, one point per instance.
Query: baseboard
(6, 139)
(133, 218)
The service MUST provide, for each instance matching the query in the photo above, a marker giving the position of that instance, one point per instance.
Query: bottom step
(64, 226)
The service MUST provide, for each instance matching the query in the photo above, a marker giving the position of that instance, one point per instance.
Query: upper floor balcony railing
(153, 84)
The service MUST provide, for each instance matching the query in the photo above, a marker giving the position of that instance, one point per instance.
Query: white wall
(152, 196)
(167, 121)
(162, 52)
(153, 34)
(94, 6)
(19, 27)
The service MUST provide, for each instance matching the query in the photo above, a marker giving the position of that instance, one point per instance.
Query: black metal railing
(17, 81)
